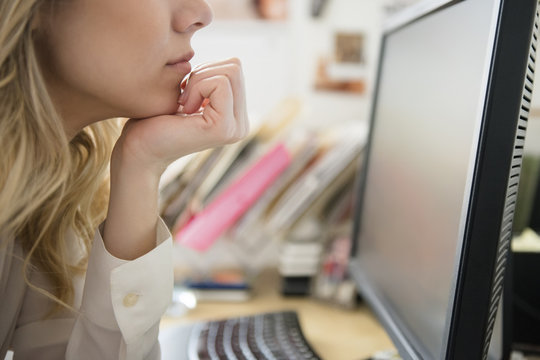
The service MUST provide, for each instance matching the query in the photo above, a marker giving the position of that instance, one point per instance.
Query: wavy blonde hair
(49, 184)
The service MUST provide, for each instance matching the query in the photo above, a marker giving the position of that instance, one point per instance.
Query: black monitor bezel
(470, 320)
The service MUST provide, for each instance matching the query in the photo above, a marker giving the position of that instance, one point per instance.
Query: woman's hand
(212, 112)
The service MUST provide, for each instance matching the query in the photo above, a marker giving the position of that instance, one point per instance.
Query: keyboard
(267, 336)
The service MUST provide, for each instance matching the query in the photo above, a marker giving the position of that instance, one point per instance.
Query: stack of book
(278, 181)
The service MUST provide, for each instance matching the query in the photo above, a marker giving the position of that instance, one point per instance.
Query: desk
(335, 333)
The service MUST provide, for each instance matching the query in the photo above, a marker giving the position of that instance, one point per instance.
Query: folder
(206, 227)
(301, 195)
(249, 231)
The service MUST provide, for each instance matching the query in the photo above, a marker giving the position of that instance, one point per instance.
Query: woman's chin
(168, 108)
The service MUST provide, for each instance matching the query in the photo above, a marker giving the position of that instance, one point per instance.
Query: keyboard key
(269, 336)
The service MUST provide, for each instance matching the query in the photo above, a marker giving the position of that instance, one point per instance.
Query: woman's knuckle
(223, 79)
(235, 61)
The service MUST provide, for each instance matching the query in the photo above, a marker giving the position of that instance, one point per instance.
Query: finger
(236, 83)
(214, 96)
(207, 65)
(180, 108)
(238, 97)
(233, 72)
(216, 89)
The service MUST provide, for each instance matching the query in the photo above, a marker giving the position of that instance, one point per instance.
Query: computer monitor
(437, 191)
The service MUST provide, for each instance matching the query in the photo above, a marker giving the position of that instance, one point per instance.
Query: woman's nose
(191, 15)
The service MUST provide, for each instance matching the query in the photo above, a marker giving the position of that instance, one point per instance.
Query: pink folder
(207, 226)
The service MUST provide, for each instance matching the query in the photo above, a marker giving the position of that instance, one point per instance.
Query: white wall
(316, 39)
(280, 58)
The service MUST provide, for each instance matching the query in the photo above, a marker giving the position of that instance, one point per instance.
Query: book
(301, 195)
(207, 226)
(224, 285)
(175, 210)
(249, 231)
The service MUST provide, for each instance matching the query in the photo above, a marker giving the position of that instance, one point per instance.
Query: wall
(279, 57)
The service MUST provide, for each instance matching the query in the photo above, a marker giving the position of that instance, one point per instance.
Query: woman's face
(105, 58)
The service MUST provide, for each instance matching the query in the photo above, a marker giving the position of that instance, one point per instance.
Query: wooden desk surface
(335, 333)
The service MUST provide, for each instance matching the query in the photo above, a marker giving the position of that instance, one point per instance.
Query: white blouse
(120, 305)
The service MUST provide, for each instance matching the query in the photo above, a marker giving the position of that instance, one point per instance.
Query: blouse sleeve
(121, 306)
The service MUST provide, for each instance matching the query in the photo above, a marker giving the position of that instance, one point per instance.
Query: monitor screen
(439, 181)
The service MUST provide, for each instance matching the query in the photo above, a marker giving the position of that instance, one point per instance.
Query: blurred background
(310, 68)
(321, 51)
(314, 60)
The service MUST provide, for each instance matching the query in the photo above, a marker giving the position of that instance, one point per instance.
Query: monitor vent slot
(511, 192)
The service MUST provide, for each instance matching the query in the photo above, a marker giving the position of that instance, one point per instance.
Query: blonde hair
(49, 185)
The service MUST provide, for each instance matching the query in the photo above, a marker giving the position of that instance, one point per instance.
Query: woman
(70, 288)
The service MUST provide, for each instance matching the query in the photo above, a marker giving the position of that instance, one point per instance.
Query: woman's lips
(180, 66)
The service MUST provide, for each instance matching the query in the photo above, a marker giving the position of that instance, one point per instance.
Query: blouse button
(130, 300)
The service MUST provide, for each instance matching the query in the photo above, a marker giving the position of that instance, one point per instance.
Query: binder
(206, 227)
